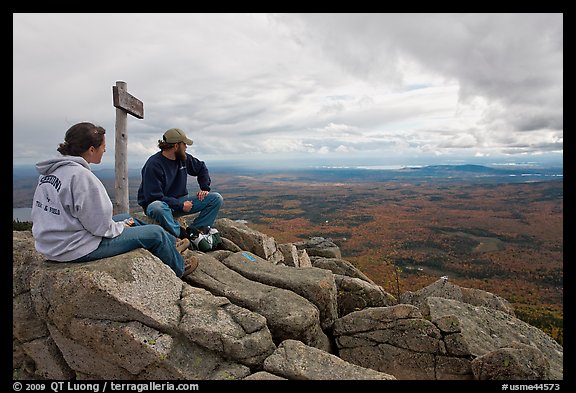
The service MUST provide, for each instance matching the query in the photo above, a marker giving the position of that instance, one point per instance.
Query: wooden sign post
(124, 103)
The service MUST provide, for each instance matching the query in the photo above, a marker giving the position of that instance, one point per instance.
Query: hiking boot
(182, 245)
(190, 264)
(192, 232)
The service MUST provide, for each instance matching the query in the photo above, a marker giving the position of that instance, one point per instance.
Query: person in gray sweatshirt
(72, 218)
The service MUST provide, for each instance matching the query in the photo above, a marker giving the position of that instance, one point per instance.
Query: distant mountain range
(440, 171)
(476, 173)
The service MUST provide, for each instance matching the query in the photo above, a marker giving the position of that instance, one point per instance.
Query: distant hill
(24, 178)
(462, 168)
(429, 170)
(449, 173)
(24, 171)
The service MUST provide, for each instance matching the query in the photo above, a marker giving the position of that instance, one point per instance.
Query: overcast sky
(329, 89)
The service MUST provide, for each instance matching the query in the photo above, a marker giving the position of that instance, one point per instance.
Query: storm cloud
(329, 87)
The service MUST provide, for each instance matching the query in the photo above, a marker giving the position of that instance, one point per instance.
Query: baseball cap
(175, 135)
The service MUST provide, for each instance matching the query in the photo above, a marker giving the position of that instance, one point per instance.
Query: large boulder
(319, 247)
(486, 330)
(355, 294)
(250, 240)
(288, 315)
(127, 317)
(314, 284)
(295, 360)
(445, 289)
(517, 362)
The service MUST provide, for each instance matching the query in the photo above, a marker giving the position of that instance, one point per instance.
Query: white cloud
(257, 85)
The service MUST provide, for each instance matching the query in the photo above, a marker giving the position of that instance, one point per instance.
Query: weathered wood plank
(129, 103)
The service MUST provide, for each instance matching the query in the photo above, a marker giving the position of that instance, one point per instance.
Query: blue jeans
(141, 235)
(165, 216)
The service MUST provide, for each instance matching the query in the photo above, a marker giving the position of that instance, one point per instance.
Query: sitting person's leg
(127, 216)
(150, 237)
(161, 212)
(208, 209)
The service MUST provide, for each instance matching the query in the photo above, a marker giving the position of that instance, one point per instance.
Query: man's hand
(187, 206)
(201, 195)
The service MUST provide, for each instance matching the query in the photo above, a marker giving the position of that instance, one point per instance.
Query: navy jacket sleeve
(198, 168)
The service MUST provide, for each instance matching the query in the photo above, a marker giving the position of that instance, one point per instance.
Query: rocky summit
(258, 310)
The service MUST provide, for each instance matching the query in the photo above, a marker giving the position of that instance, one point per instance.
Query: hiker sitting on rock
(163, 193)
(72, 213)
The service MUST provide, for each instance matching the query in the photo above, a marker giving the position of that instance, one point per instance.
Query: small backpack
(205, 239)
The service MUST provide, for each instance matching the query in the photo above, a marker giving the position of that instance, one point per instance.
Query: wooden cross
(124, 103)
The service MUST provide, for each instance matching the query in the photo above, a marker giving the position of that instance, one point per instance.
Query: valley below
(405, 232)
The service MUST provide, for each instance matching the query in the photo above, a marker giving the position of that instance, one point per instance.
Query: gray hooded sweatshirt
(71, 210)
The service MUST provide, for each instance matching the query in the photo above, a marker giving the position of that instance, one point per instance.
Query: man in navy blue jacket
(163, 193)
